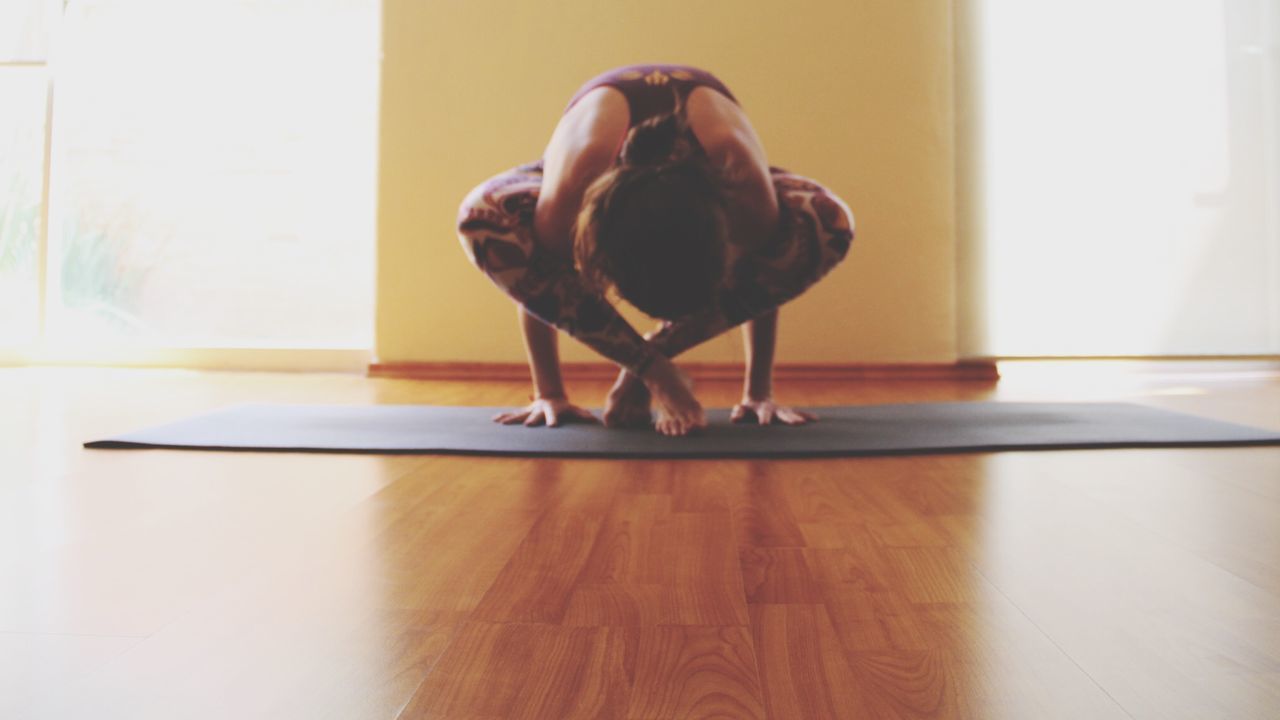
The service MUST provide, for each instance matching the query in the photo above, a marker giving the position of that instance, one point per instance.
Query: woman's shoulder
(718, 122)
(585, 142)
(583, 147)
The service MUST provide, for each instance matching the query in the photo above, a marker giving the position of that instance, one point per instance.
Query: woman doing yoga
(654, 186)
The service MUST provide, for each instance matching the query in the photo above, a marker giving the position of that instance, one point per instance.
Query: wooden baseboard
(983, 371)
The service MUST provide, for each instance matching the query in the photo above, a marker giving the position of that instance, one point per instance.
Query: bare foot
(679, 412)
(628, 403)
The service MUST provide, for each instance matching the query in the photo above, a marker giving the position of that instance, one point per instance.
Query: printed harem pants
(495, 225)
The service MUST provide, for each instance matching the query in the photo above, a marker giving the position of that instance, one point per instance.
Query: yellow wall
(857, 94)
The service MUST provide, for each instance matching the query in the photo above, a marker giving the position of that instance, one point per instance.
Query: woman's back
(589, 137)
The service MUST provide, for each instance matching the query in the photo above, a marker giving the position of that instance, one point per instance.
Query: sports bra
(652, 90)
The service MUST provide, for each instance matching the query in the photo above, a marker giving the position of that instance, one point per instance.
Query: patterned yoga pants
(495, 225)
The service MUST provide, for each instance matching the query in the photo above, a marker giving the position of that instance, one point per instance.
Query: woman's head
(654, 226)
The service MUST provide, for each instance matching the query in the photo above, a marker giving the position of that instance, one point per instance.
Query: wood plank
(1099, 584)
(803, 670)
(651, 566)
(695, 672)
(896, 586)
(345, 626)
(1149, 621)
(537, 580)
(762, 515)
(1164, 494)
(90, 539)
(510, 670)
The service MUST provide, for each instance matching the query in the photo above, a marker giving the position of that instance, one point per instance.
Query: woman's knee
(823, 222)
(495, 221)
(815, 234)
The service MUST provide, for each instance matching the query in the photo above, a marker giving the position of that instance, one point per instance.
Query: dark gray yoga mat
(842, 431)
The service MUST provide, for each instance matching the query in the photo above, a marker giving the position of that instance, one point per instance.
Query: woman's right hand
(549, 411)
(679, 412)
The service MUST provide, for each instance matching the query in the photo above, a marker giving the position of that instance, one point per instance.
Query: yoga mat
(842, 431)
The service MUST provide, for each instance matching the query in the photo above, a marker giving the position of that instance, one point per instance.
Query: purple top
(651, 90)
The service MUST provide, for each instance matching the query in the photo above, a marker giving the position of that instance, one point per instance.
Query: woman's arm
(542, 348)
(760, 337)
(550, 404)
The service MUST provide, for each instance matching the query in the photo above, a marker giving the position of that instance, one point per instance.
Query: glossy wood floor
(1036, 585)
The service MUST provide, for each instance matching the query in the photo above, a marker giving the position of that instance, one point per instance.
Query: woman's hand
(549, 411)
(767, 411)
(679, 412)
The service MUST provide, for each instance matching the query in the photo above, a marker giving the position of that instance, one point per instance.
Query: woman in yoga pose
(654, 185)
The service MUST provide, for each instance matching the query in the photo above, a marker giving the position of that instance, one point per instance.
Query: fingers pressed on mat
(797, 417)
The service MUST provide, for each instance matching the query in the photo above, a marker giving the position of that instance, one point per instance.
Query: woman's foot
(679, 412)
(628, 403)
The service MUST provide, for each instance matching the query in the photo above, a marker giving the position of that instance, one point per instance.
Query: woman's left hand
(767, 412)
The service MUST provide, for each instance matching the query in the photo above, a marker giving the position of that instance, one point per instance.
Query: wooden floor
(1029, 585)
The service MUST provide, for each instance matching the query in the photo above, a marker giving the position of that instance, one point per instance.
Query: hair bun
(656, 140)
(652, 141)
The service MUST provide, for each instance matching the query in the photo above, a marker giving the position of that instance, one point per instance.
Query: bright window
(212, 175)
(1131, 154)
(22, 129)
(23, 97)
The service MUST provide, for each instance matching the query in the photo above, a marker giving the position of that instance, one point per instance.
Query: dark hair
(654, 225)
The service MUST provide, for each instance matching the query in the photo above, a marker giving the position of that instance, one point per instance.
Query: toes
(670, 427)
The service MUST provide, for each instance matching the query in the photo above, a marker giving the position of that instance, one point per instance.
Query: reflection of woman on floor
(655, 185)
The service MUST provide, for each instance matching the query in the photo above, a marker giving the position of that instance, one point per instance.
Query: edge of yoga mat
(1211, 433)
